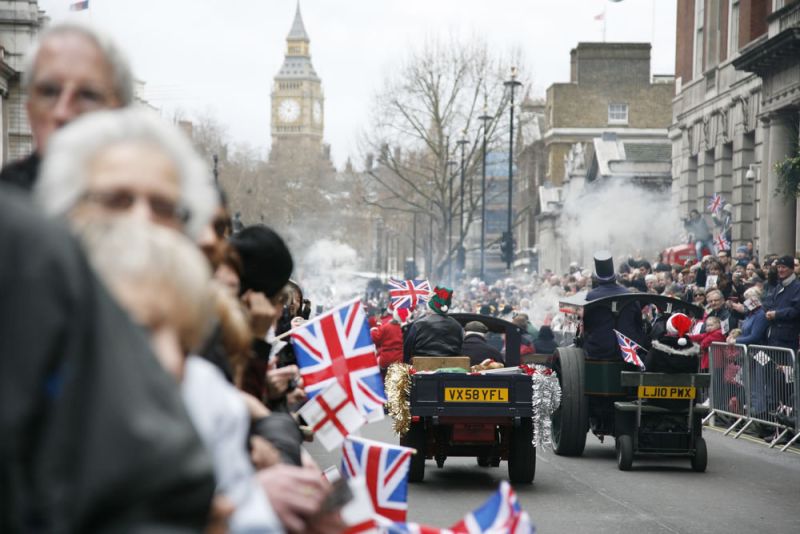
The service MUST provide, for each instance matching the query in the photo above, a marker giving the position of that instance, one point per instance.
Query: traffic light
(507, 246)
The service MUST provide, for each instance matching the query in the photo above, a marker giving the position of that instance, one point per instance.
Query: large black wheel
(522, 454)
(700, 458)
(625, 452)
(416, 439)
(484, 461)
(571, 420)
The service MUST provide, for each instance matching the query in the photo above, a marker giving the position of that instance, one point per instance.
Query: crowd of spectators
(143, 387)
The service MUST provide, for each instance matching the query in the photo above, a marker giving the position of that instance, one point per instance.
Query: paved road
(747, 488)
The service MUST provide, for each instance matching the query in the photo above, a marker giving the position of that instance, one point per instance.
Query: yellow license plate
(476, 394)
(666, 392)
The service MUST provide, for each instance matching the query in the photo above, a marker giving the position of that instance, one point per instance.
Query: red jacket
(706, 339)
(388, 339)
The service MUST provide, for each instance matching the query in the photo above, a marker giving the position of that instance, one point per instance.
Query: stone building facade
(735, 113)
(20, 23)
(610, 90)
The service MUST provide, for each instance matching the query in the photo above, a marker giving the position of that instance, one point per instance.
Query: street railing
(755, 385)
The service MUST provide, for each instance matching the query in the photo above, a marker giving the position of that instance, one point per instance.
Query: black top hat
(604, 266)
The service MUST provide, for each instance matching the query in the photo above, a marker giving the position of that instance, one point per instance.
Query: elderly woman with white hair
(755, 324)
(129, 167)
(127, 163)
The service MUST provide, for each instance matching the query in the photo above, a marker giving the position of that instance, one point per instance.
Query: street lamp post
(512, 84)
(450, 175)
(462, 142)
(485, 118)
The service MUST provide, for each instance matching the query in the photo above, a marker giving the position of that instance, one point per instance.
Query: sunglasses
(121, 200)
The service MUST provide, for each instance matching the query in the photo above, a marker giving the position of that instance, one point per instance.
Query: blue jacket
(754, 328)
(784, 330)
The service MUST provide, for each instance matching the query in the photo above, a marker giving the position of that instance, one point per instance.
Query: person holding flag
(599, 323)
(388, 339)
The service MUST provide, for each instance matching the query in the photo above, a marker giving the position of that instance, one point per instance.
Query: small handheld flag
(722, 242)
(385, 468)
(629, 349)
(332, 416)
(715, 203)
(79, 6)
(337, 347)
(500, 513)
(408, 293)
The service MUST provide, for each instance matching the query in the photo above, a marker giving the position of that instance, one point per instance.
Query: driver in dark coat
(436, 334)
(599, 323)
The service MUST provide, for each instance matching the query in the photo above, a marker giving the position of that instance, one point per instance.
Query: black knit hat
(786, 261)
(266, 260)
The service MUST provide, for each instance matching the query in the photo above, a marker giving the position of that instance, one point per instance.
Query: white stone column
(742, 196)
(779, 216)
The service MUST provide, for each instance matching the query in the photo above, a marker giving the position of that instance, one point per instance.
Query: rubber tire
(522, 453)
(484, 461)
(571, 420)
(416, 439)
(700, 458)
(625, 452)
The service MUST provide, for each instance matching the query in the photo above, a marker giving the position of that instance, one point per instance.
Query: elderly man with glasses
(72, 70)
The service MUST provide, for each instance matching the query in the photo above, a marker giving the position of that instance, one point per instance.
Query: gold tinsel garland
(398, 388)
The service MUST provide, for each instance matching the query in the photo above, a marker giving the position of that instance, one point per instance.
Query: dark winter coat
(95, 436)
(546, 342)
(433, 335)
(21, 173)
(667, 356)
(599, 324)
(784, 330)
(476, 347)
(388, 339)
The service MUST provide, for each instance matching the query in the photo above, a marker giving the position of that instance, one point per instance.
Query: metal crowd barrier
(755, 385)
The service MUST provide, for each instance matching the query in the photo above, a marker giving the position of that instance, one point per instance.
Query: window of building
(618, 113)
(777, 4)
(699, 19)
(733, 28)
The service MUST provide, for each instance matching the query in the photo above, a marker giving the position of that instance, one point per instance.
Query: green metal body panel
(602, 378)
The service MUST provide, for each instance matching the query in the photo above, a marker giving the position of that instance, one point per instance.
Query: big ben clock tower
(297, 101)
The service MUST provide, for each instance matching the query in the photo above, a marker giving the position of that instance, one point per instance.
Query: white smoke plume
(620, 217)
(328, 274)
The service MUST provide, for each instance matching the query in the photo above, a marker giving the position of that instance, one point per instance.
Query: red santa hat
(679, 325)
(401, 315)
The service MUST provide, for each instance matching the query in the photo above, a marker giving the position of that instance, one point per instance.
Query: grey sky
(219, 56)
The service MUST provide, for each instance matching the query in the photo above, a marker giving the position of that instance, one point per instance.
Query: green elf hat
(440, 299)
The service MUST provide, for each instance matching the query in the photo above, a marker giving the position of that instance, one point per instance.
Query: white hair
(121, 73)
(64, 175)
(125, 252)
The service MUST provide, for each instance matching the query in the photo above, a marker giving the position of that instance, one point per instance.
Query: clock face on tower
(289, 110)
(317, 112)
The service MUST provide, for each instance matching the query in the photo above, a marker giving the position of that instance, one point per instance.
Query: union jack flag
(722, 242)
(414, 528)
(385, 469)
(408, 293)
(337, 346)
(629, 349)
(715, 203)
(500, 513)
